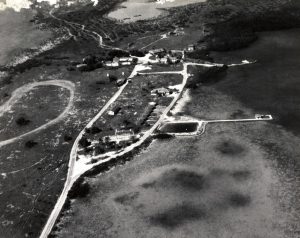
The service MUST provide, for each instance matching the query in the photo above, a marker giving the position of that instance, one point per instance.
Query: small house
(157, 51)
(191, 48)
(179, 31)
(174, 60)
(116, 59)
(114, 111)
(82, 67)
(263, 117)
(160, 92)
(126, 63)
(111, 64)
(126, 59)
(164, 60)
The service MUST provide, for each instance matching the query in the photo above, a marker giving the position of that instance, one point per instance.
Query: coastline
(183, 101)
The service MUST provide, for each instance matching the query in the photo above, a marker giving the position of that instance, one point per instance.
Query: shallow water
(134, 10)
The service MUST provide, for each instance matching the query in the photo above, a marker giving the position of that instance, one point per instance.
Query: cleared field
(48, 102)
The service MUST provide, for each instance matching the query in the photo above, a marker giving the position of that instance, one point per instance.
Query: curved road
(91, 33)
(18, 94)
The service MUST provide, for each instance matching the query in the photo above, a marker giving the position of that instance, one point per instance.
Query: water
(180, 127)
(134, 10)
(272, 85)
(17, 34)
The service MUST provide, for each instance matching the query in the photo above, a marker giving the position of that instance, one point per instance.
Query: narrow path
(91, 33)
(25, 168)
(166, 72)
(240, 120)
(18, 94)
(164, 36)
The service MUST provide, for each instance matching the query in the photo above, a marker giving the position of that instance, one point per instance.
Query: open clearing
(18, 94)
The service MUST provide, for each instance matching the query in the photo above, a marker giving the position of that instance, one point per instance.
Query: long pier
(257, 118)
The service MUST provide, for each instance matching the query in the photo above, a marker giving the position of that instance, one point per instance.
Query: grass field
(46, 101)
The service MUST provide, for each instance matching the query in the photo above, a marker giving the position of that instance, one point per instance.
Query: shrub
(95, 130)
(118, 53)
(67, 138)
(22, 121)
(29, 144)
(137, 53)
(79, 190)
(112, 78)
(84, 142)
(99, 149)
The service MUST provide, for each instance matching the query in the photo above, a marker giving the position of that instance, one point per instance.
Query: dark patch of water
(180, 127)
(229, 148)
(177, 216)
(241, 175)
(174, 178)
(127, 198)
(239, 200)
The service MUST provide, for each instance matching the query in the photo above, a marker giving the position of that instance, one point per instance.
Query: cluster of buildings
(172, 56)
(191, 48)
(164, 57)
(123, 136)
(160, 92)
(163, 92)
(177, 32)
(117, 62)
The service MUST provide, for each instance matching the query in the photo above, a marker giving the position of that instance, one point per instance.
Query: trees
(137, 53)
(112, 78)
(93, 130)
(84, 142)
(67, 138)
(99, 149)
(29, 144)
(22, 121)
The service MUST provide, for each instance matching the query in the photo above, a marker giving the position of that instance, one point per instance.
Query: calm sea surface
(272, 85)
(17, 33)
(134, 10)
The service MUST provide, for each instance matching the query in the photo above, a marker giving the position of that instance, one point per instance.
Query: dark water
(272, 85)
(180, 127)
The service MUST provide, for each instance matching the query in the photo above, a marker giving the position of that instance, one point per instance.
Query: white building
(112, 64)
(160, 91)
(191, 48)
(164, 60)
(157, 51)
(126, 59)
